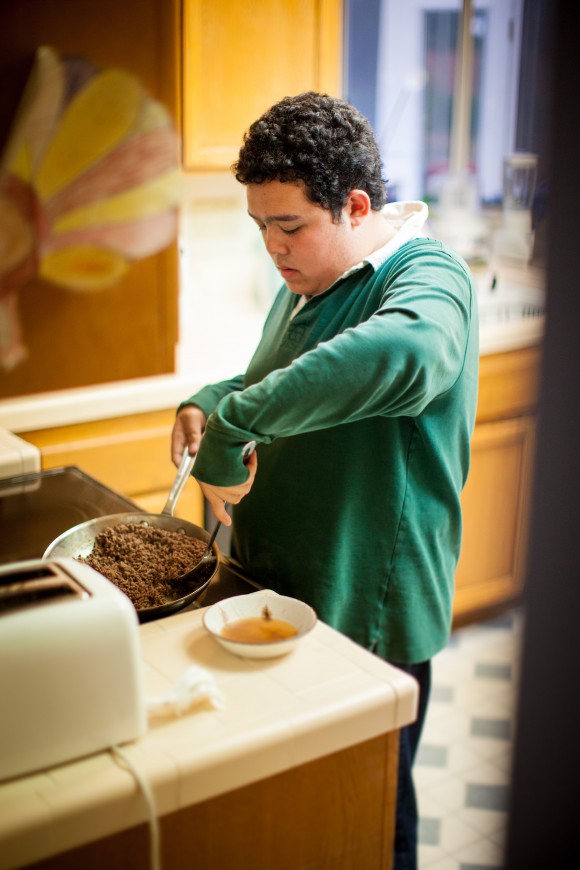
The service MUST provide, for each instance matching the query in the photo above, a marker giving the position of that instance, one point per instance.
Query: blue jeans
(407, 817)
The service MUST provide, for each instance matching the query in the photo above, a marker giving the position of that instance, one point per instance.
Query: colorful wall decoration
(89, 182)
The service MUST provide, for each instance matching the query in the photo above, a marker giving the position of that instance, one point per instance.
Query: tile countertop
(326, 695)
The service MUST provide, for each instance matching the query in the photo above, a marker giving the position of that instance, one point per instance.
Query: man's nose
(275, 242)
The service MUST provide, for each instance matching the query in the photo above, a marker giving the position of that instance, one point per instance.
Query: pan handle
(181, 478)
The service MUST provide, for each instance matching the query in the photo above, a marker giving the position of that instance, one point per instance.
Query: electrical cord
(195, 685)
(154, 830)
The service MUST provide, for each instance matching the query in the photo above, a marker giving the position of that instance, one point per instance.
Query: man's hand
(217, 496)
(187, 431)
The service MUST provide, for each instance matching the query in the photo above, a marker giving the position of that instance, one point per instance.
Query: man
(361, 397)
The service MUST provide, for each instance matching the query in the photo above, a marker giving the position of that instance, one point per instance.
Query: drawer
(509, 384)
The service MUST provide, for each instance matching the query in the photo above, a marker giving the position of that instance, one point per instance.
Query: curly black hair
(318, 140)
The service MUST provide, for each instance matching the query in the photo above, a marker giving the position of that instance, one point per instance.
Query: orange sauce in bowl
(258, 629)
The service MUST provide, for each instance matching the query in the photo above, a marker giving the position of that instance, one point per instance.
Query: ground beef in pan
(144, 560)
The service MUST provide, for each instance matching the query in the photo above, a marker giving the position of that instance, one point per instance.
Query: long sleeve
(394, 363)
(208, 397)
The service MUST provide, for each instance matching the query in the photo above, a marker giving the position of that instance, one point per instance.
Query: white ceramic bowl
(298, 614)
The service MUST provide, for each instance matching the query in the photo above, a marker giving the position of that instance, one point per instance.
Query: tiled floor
(462, 770)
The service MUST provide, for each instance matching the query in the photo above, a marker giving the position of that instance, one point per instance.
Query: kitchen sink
(511, 314)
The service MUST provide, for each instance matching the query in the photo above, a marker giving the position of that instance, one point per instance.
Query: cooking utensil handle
(248, 450)
(212, 538)
(183, 473)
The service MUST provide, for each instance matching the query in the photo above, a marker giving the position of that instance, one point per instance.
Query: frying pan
(80, 539)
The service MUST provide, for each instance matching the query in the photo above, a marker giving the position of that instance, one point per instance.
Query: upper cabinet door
(240, 57)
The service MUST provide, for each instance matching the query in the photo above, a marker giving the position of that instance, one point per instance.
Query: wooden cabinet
(337, 811)
(129, 454)
(240, 57)
(496, 499)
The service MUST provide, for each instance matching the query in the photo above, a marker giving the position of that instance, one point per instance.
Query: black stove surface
(230, 580)
(37, 508)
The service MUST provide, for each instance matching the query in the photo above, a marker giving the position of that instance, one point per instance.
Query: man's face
(309, 250)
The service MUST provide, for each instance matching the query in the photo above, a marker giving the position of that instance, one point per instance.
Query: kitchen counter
(301, 724)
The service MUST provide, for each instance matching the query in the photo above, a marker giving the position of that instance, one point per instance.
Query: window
(410, 90)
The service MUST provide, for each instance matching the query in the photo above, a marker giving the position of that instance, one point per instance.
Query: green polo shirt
(363, 405)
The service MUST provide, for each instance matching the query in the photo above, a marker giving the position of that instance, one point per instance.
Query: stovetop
(37, 508)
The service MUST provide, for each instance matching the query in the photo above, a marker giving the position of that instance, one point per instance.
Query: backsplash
(227, 281)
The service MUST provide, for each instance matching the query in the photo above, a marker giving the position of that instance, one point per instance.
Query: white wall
(227, 281)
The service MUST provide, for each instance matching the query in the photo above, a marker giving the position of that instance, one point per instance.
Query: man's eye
(290, 232)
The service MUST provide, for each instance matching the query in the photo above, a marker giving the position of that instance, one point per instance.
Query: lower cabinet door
(496, 503)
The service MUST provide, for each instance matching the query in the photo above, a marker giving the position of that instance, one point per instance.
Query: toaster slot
(38, 586)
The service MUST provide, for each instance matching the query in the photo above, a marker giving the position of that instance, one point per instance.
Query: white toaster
(71, 676)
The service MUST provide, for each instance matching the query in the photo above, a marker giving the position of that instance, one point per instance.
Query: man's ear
(359, 206)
